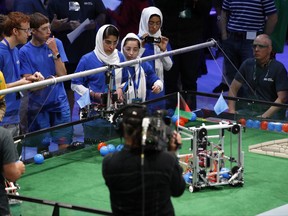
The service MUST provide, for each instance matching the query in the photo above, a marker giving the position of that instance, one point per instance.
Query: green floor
(76, 178)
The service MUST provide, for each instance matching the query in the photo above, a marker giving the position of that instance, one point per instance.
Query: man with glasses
(16, 30)
(240, 23)
(262, 78)
(49, 105)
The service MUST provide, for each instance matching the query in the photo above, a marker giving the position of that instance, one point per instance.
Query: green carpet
(76, 178)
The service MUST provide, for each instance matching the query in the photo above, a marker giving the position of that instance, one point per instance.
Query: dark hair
(131, 39)
(14, 20)
(110, 30)
(2, 20)
(37, 20)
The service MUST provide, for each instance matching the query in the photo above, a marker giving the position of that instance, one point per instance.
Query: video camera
(156, 130)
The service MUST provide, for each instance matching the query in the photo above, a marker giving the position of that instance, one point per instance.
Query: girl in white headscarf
(105, 53)
(142, 77)
(154, 43)
(150, 24)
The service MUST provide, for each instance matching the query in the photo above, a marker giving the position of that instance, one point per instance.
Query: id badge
(251, 35)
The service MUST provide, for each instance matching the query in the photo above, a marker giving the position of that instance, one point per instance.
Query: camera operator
(141, 180)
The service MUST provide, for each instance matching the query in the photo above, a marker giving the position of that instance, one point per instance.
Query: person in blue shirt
(47, 106)
(142, 77)
(31, 6)
(105, 53)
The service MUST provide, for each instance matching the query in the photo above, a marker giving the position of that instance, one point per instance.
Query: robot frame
(205, 167)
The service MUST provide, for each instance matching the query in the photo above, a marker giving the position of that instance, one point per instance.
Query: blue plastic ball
(119, 147)
(256, 124)
(104, 150)
(271, 126)
(278, 126)
(188, 177)
(193, 117)
(249, 123)
(174, 118)
(111, 148)
(38, 159)
(225, 172)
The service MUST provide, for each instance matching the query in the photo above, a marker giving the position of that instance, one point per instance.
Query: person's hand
(24, 81)
(156, 89)
(20, 166)
(175, 142)
(120, 95)
(91, 25)
(37, 76)
(163, 44)
(74, 24)
(51, 43)
(143, 39)
(59, 24)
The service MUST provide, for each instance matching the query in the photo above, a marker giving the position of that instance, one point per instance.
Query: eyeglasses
(151, 23)
(260, 46)
(28, 30)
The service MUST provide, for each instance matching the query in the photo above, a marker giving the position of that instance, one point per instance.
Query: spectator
(47, 106)
(105, 53)
(150, 24)
(65, 16)
(185, 24)
(264, 79)
(127, 16)
(16, 31)
(142, 77)
(11, 167)
(31, 6)
(141, 182)
(240, 23)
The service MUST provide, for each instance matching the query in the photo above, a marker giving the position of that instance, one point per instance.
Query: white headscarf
(145, 16)
(131, 91)
(107, 59)
(144, 28)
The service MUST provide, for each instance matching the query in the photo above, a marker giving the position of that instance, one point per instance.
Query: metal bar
(67, 77)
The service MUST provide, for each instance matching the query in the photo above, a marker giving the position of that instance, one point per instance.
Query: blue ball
(256, 124)
(111, 148)
(119, 147)
(225, 172)
(174, 118)
(249, 123)
(38, 159)
(271, 126)
(104, 150)
(278, 126)
(188, 177)
(193, 117)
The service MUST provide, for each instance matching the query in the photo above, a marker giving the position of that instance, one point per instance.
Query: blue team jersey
(10, 67)
(40, 59)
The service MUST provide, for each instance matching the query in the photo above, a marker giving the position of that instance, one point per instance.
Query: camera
(150, 39)
(156, 132)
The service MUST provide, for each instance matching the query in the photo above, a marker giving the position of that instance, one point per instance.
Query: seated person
(263, 79)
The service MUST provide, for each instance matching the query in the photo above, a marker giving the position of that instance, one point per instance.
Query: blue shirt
(10, 66)
(40, 58)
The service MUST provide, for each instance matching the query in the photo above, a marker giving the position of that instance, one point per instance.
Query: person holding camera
(142, 177)
(154, 43)
(142, 77)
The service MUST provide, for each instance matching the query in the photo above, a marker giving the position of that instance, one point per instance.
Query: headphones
(131, 114)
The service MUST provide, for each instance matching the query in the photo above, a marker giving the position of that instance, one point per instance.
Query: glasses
(151, 23)
(28, 30)
(260, 46)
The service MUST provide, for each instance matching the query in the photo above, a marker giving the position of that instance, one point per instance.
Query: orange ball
(100, 145)
(264, 125)
(180, 122)
(242, 121)
(285, 127)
